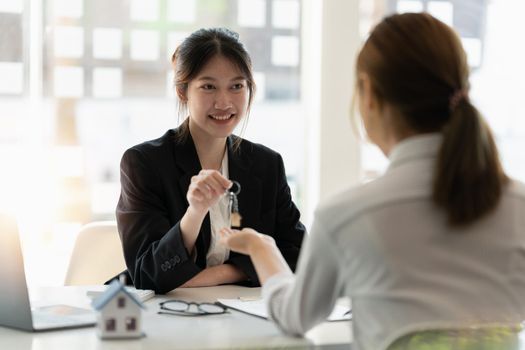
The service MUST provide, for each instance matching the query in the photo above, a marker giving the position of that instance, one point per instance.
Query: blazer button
(177, 259)
(172, 262)
(163, 267)
(168, 265)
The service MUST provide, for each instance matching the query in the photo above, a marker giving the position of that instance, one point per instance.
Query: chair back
(97, 255)
(482, 337)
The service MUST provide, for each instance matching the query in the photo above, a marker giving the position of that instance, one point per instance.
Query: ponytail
(468, 179)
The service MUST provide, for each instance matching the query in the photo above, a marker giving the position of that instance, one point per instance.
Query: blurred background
(81, 81)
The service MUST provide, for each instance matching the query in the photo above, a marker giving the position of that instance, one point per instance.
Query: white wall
(330, 48)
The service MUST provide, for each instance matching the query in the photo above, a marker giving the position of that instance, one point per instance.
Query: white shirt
(387, 246)
(219, 218)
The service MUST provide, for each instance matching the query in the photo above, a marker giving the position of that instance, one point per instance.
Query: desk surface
(233, 330)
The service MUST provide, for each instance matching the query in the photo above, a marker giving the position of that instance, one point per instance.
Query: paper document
(258, 308)
(140, 294)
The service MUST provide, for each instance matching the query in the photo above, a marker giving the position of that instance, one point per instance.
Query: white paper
(141, 294)
(258, 308)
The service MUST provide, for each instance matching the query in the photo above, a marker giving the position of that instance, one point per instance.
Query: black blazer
(155, 177)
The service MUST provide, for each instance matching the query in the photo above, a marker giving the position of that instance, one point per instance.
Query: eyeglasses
(184, 308)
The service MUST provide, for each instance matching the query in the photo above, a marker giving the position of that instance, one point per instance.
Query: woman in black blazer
(170, 185)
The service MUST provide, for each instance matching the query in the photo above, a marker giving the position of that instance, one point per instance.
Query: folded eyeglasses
(184, 308)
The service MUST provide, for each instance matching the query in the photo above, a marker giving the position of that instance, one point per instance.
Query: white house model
(119, 313)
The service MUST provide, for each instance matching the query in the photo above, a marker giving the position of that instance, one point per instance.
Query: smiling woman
(82, 81)
(172, 203)
(218, 76)
(217, 99)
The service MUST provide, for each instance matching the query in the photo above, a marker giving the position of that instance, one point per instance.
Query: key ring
(238, 190)
(235, 216)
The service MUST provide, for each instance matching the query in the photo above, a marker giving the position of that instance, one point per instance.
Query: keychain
(235, 216)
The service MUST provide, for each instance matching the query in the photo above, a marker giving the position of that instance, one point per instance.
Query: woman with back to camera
(173, 204)
(438, 240)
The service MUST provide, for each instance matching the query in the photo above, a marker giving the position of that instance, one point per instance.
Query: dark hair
(197, 50)
(417, 65)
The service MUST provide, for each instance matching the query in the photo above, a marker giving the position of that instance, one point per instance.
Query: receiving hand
(243, 241)
(206, 188)
(264, 253)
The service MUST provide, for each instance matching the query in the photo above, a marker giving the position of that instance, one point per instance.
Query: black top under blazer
(155, 177)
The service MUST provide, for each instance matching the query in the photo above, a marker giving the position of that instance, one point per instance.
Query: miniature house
(119, 313)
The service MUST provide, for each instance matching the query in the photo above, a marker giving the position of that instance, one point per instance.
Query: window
(131, 323)
(138, 39)
(84, 80)
(489, 31)
(13, 49)
(111, 325)
(121, 302)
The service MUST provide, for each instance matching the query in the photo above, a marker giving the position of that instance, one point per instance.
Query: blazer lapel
(239, 167)
(187, 161)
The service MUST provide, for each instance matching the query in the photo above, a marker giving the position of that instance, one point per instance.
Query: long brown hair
(196, 51)
(417, 65)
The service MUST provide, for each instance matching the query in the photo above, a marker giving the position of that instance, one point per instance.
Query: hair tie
(456, 97)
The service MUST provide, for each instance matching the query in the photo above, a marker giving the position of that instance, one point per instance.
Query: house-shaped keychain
(119, 313)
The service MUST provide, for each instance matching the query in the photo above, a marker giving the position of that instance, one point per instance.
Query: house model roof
(114, 288)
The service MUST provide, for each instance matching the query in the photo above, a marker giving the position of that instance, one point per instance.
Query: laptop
(15, 307)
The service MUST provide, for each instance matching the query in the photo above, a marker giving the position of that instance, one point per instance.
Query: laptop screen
(15, 309)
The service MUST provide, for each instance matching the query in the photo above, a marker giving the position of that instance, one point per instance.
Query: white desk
(232, 330)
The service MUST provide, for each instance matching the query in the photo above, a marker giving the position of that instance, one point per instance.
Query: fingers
(242, 241)
(210, 183)
(224, 234)
(206, 188)
(215, 177)
(225, 231)
(195, 193)
(224, 182)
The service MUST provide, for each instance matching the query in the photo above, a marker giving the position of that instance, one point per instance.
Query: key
(235, 216)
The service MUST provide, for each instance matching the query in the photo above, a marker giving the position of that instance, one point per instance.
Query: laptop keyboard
(61, 316)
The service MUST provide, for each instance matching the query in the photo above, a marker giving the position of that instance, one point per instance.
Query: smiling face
(217, 99)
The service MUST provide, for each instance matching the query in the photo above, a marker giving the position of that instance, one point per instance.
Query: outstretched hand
(264, 253)
(243, 241)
